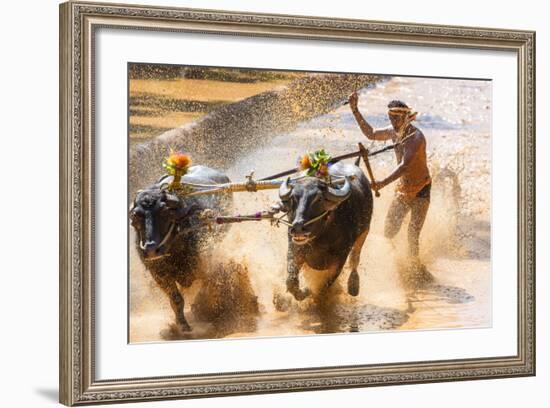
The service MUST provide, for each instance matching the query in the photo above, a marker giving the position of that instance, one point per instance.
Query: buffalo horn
(339, 194)
(285, 189)
(172, 200)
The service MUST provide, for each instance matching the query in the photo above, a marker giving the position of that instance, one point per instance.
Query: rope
(208, 218)
(316, 218)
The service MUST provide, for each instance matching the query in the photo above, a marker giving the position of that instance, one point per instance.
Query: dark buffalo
(167, 240)
(328, 224)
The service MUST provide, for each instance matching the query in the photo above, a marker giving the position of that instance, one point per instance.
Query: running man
(414, 181)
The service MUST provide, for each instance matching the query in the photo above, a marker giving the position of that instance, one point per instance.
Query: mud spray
(243, 294)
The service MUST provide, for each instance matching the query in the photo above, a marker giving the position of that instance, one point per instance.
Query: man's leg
(396, 213)
(420, 275)
(419, 209)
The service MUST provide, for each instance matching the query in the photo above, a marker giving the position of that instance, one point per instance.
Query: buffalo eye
(315, 199)
(288, 203)
(285, 199)
(283, 205)
(165, 207)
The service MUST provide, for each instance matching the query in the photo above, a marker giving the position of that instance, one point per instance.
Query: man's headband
(399, 110)
(402, 110)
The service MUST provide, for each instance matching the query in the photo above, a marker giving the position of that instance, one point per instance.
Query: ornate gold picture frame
(78, 25)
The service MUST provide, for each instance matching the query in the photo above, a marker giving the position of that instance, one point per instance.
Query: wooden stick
(251, 186)
(296, 169)
(334, 160)
(365, 155)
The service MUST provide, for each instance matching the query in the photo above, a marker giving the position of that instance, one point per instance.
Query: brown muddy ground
(242, 294)
(165, 103)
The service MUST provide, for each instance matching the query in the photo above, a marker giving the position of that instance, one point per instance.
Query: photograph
(266, 202)
(254, 202)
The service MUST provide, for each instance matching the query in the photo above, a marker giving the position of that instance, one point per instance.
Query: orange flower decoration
(316, 163)
(322, 171)
(304, 163)
(177, 162)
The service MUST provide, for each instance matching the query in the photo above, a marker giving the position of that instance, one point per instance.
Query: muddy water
(242, 293)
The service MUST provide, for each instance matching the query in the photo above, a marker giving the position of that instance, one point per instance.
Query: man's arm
(366, 128)
(410, 148)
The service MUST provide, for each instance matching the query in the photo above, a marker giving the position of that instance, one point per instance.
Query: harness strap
(207, 218)
(164, 240)
(316, 218)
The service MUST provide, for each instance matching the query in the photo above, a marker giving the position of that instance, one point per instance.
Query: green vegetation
(243, 75)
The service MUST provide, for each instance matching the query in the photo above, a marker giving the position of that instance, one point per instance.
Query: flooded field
(242, 291)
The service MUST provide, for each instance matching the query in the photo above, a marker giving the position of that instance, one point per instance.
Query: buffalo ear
(134, 203)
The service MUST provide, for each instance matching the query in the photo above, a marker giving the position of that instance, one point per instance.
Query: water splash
(455, 243)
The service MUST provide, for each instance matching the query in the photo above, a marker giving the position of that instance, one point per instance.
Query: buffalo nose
(150, 248)
(297, 227)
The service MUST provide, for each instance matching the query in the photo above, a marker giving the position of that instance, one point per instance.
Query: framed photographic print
(256, 203)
